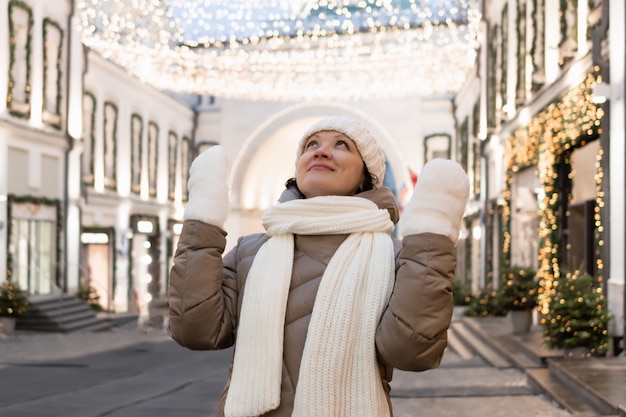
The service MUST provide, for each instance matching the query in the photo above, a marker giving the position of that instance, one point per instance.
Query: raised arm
(203, 289)
(412, 334)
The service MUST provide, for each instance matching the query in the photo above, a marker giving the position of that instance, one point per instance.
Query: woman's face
(329, 165)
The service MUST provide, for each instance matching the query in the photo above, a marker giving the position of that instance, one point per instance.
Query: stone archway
(267, 157)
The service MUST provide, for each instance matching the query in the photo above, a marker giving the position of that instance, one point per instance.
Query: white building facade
(545, 115)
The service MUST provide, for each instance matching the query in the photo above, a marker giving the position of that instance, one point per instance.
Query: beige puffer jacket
(205, 296)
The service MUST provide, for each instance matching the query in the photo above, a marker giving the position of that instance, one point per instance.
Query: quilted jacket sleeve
(412, 334)
(202, 289)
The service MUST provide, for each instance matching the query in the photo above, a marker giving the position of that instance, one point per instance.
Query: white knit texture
(369, 148)
(438, 202)
(338, 374)
(255, 381)
(208, 187)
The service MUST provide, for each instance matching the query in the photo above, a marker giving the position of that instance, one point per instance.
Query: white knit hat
(366, 143)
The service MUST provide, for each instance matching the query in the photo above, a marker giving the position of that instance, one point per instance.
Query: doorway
(33, 247)
(96, 270)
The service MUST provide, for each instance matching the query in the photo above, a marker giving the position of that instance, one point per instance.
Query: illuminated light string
(547, 138)
(288, 50)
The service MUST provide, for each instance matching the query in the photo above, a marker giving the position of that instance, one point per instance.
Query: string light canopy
(288, 49)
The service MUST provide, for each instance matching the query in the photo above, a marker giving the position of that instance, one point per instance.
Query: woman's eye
(342, 143)
(310, 144)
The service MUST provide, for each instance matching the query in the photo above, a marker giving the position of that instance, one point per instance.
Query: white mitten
(208, 187)
(438, 200)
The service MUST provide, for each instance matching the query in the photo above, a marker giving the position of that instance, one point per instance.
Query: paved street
(134, 373)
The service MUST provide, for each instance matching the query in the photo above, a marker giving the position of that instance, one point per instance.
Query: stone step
(60, 313)
(478, 346)
(456, 344)
(594, 381)
(558, 392)
(587, 387)
(507, 346)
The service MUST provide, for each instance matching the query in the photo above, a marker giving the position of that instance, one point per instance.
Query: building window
(110, 141)
(153, 140)
(136, 153)
(89, 138)
(52, 57)
(20, 32)
(172, 156)
(436, 146)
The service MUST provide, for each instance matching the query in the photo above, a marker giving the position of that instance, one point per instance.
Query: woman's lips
(320, 167)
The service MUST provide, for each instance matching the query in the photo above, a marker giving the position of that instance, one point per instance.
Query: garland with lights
(568, 123)
(13, 300)
(12, 44)
(565, 7)
(55, 118)
(303, 50)
(537, 22)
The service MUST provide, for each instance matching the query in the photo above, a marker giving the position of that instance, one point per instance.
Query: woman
(325, 304)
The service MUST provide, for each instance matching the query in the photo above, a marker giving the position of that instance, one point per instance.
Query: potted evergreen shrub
(13, 304)
(519, 292)
(90, 296)
(577, 319)
(488, 303)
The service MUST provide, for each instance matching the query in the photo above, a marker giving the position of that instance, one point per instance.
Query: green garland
(91, 136)
(504, 64)
(520, 31)
(493, 68)
(538, 38)
(56, 203)
(59, 58)
(19, 4)
(185, 161)
(464, 143)
(476, 157)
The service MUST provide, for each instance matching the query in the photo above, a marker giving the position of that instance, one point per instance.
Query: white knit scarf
(338, 374)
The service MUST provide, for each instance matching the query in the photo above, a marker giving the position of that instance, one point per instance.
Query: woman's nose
(322, 152)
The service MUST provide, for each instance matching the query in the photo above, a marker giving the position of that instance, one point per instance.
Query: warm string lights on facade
(549, 137)
(288, 50)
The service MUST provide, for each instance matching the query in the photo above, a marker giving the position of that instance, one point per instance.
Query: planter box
(7, 324)
(521, 320)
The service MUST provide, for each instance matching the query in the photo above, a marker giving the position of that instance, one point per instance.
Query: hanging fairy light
(288, 50)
